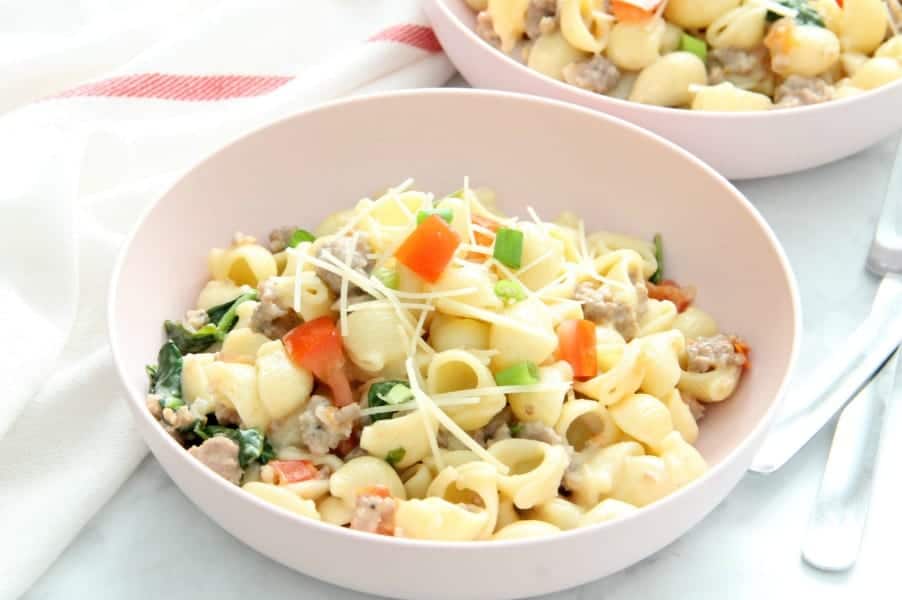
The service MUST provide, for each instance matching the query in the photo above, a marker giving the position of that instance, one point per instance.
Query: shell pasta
(709, 55)
(426, 367)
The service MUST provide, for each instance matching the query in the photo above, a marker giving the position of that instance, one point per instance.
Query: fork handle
(836, 528)
(838, 379)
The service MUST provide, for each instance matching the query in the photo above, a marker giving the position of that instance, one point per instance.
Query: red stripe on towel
(207, 88)
(197, 88)
(418, 36)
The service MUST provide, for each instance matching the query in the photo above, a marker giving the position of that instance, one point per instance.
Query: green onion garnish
(445, 213)
(516, 428)
(395, 456)
(658, 275)
(399, 394)
(509, 290)
(387, 277)
(300, 235)
(508, 247)
(694, 45)
(522, 373)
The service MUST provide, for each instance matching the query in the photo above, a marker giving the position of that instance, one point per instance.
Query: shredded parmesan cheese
(376, 304)
(468, 207)
(427, 404)
(436, 294)
(553, 284)
(531, 264)
(371, 287)
(416, 331)
(460, 309)
(424, 404)
(343, 296)
(504, 389)
(413, 405)
(510, 275)
(483, 230)
(409, 215)
(368, 206)
(476, 248)
(581, 237)
(535, 217)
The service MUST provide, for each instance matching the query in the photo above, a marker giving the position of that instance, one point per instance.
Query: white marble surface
(150, 542)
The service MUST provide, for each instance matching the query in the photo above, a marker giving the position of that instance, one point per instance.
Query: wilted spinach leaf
(225, 314)
(807, 15)
(191, 342)
(375, 396)
(252, 444)
(222, 320)
(166, 377)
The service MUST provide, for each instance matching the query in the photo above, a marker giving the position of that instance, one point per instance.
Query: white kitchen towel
(102, 105)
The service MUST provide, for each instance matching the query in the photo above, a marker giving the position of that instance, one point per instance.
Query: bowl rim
(584, 97)
(136, 403)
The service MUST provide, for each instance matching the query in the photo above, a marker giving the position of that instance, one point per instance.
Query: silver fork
(846, 372)
(833, 539)
(836, 527)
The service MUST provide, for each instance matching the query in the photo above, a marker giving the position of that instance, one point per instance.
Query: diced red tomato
(839, 2)
(428, 250)
(625, 12)
(316, 346)
(576, 345)
(292, 471)
(671, 290)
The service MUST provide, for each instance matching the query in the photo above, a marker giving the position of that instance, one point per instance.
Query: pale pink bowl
(302, 168)
(738, 145)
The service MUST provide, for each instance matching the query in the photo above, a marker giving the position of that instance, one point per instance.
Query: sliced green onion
(300, 235)
(457, 194)
(388, 277)
(509, 247)
(694, 45)
(658, 275)
(395, 456)
(522, 373)
(173, 402)
(509, 290)
(399, 394)
(445, 213)
(516, 428)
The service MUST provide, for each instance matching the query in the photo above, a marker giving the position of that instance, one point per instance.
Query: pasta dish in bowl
(753, 87)
(444, 374)
(427, 368)
(713, 55)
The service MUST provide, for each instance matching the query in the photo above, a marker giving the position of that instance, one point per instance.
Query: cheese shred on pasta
(446, 422)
